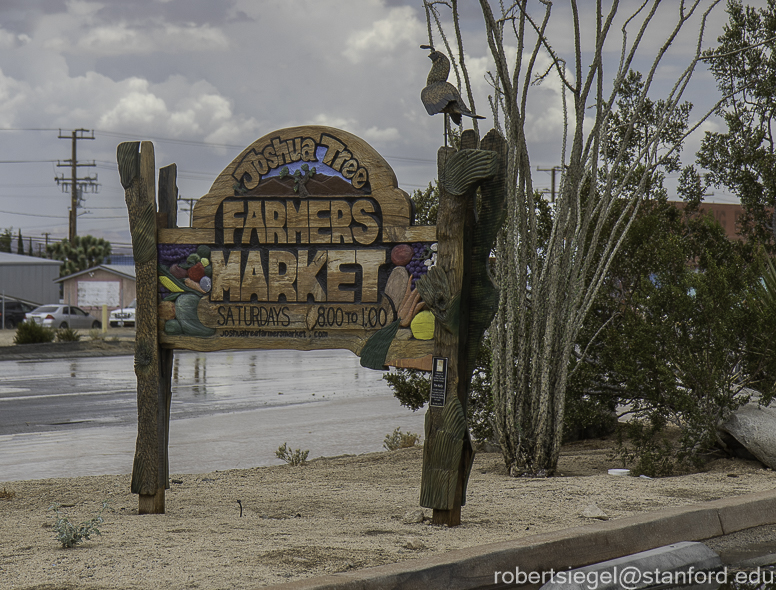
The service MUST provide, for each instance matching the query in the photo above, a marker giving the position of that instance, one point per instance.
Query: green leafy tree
(5, 239)
(638, 125)
(676, 341)
(743, 159)
(426, 205)
(82, 253)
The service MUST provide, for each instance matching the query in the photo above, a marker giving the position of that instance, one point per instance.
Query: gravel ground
(330, 515)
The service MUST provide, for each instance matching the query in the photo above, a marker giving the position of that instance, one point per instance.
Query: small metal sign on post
(438, 382)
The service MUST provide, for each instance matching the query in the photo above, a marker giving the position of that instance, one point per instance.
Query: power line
(76, 185)
(195, 143)
(28, 161)
(27, 129)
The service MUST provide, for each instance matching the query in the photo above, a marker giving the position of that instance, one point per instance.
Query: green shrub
(681, 334)
(97, 334)
(294, 458)
(32, 333)
(68, 335)
(412, 388)
(69, 534)
(400, 440)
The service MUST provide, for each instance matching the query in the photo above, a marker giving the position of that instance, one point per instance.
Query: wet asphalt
(69, 417)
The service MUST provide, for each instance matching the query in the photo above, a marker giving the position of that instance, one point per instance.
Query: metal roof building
(29, 278)
(105, 284)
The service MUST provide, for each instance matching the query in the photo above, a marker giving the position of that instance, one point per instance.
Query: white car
(62, 317)
(123, 316)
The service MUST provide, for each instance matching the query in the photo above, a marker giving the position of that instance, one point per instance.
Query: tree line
(79, 254)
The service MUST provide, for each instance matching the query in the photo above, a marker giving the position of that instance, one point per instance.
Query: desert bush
(400, 440)
(6, 495)
(31, 333)
(70, 534)
(412, 388)
(679, 343)
(97, 334)
(294, 458)
(68, 335)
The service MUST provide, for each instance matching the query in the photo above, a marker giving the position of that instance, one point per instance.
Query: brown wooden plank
(421, 364)
(168, 196)
(436, 481)
(140, 196)
(413, 233)
(168, 209)
(186, 235)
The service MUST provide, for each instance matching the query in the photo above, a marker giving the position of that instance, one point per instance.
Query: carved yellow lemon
(422, 325)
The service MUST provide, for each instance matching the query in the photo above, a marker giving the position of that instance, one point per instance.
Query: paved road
(230, 409)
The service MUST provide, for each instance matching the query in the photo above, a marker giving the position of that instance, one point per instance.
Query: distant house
(106, 284)
(726, 214)
(29, 278)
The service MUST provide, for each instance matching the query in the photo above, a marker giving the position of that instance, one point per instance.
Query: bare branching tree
(549, 286)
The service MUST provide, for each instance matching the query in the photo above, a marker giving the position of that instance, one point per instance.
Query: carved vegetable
(401, 254)
(168, 283)
(196, 272)
(410, 305)
(193, 285)
(186, 314)
(422, 326)
(178, 272)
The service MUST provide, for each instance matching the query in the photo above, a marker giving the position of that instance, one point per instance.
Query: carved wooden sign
(306, 242)
(303, 242)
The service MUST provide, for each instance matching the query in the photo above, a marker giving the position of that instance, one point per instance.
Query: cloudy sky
(203, 79)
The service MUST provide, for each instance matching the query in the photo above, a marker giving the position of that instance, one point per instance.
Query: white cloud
(82, 8)
(383, 135)
(333, 121)
(123, 39)
(137, 109)
(399, 27)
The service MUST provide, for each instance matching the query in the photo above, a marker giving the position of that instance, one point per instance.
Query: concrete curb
(683, 557)
(80, 348)
(475, 567)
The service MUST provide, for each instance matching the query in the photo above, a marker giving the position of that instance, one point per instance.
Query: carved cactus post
(462, 297)
(137, 171)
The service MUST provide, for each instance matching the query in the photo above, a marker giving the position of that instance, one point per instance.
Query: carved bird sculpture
(439, 96)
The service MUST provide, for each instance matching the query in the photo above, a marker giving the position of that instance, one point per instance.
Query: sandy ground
(330, 515)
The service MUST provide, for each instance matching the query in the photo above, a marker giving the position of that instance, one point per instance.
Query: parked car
(63, 316)
(124, 316)
(14, 313)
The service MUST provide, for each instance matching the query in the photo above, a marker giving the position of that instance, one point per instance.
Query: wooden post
(442, 479)
(166, 218)
(462, 298)
(137, 171)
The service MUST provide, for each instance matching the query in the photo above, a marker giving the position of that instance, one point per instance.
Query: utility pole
(552, 170)
(75, 184)
(191, 206)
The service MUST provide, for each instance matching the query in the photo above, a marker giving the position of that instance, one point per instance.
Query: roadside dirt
(330, 515)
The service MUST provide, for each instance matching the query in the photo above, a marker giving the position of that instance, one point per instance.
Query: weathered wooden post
(462, 297)
(137, 170)
(166, 218)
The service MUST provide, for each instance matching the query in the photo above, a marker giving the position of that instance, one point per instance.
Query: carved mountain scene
(320, 185)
